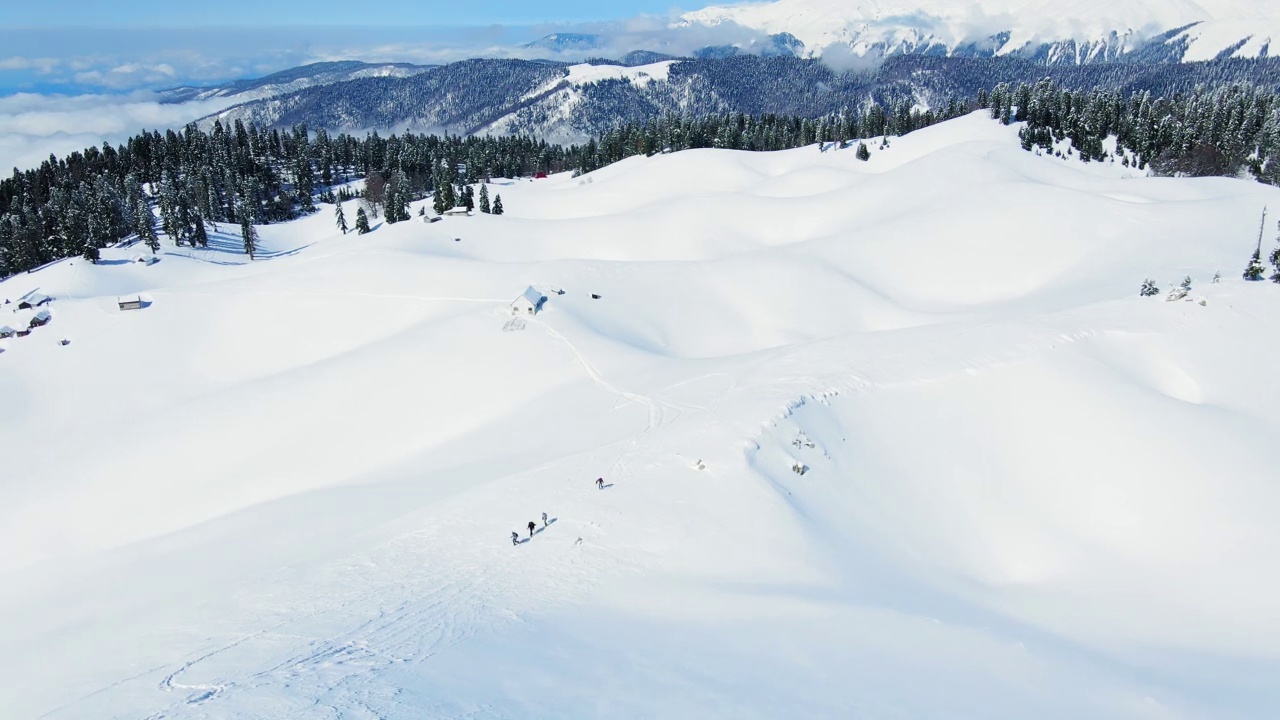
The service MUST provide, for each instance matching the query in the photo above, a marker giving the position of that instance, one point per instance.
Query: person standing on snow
(544, 519)
(600, 483)
(515, 538)
(532, 525)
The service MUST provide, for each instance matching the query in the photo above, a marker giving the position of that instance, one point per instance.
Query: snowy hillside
(294, 79)
(1081, 30)
(572, 103)
(884, 439)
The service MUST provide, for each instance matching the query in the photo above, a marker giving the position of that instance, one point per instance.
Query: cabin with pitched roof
(530, 302)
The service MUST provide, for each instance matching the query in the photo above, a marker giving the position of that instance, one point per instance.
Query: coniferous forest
(182, 183)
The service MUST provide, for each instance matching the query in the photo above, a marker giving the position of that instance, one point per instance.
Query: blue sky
(86, 46)
(165, 13)
(77, 72)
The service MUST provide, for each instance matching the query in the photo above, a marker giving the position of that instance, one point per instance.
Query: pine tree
(1149, 288)
(497, 204)
(397, 198)
(250, 235)
(863, 153)
(468, 198)
(437, 202)
(362, 221)
(248, 232)
(341, 218)
(1255, 271)
(484, 199)
(147, 226)
(92, 254)
(303, 184)
(1186, 283)
(1275, 258)
(199, 238)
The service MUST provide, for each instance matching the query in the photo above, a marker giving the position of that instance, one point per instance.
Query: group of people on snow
(515, 536)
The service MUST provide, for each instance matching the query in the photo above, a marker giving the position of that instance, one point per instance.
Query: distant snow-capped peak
(889, 26)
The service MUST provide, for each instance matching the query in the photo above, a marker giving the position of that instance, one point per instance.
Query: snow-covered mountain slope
(1078, 30)
(883, 439)
(573, 103)
(292, 80)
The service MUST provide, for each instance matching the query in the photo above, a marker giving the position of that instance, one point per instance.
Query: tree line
(739, 131)
(185, 182)
(1232, 130)
(245, 175)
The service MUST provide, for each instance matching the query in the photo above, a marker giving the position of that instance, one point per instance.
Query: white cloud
(33, 126)
(42, 65)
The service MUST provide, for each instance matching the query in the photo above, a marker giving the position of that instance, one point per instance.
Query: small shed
(146, 259)
(457, 212)
(529, 303)
(7, 332)
(540, 176)
(40, 319)
(130, 303)
(34, 300)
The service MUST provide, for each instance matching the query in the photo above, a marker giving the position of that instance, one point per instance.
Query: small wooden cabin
(131, 303)
(529, 303)
(40, 319)
(34, 300)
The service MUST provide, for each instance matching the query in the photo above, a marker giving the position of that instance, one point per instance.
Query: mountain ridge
(886, 27)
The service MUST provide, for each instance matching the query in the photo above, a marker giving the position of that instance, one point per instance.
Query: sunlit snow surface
(285, 488)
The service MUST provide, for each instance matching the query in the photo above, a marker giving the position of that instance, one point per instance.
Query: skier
(515, 538)
(600, 483)
(532, 525)
(544, 519)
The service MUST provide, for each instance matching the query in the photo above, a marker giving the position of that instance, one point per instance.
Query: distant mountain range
(1052, 31)
(568, 103)
(806, 57)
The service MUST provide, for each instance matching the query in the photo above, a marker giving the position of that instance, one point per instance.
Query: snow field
(286, 487)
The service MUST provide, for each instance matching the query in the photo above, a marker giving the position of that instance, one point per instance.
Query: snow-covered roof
(533, 296)
(6, 330)
(35, 298)
(42, 316)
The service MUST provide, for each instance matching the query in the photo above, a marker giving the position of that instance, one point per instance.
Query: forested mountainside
(544, 98)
